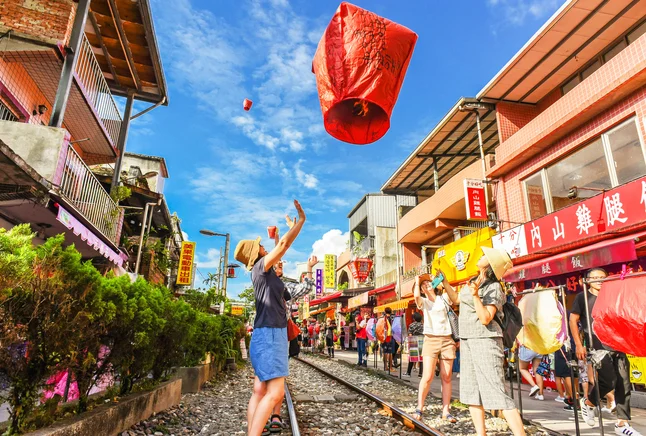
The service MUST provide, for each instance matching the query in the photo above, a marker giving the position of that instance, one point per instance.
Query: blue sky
(238, 172)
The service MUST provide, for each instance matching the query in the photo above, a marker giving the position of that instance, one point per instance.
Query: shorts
(268, 351)
(560, 365)
(389, 347)
(442, 347)
(527, 355)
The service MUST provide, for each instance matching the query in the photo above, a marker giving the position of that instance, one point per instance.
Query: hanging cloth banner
(619, 315)
(360, 65)
(542, 322)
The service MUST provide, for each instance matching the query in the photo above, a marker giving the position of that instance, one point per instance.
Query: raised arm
(286, 241)
(454, 296)
(417, 295)
(306, 285)
(485, 312)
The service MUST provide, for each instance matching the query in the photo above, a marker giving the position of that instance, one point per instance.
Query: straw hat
(499, 260)
(423, 278)
(247, 252)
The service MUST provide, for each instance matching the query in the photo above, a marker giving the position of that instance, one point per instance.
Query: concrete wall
(385, 250)
(112, 419)
(194, 377)
(39, 146)
(156, 183)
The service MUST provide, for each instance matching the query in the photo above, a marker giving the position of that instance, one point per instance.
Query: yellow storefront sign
(637, 370)
(458, 259)
(237, 310)
(185, 264)
(306, 307)
(330, 271)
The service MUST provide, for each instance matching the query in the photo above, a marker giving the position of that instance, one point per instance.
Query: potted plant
(361, 263)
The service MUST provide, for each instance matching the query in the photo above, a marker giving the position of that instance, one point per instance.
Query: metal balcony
(84, 191)
(96, 90)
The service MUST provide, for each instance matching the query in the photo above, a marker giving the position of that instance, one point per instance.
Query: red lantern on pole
(246, 104)
(360, 269)
(360, 65)
(231, 272)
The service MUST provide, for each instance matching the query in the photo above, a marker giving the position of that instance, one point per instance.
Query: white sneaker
(626, 430)
(588, 413)
(533, 391)
(559, 399)
(539, 397)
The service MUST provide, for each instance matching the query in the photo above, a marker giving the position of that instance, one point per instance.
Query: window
(615, 50)
(591, 69)
(627, 152)
(604, 57)
(6, 114)
(587, 168)
(639, 31)
(571, 84)
(615, 158)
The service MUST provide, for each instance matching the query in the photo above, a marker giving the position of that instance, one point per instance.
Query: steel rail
(390, 409)
(293, 422)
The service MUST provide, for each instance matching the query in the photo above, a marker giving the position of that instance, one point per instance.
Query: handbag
(292, 330)
(453, 321)
(544, 367)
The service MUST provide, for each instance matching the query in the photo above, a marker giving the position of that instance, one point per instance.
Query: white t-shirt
(436, 320)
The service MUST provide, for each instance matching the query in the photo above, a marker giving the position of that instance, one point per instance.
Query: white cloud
(332, 242)
(338, 202)
(266, 59)
(185, 236)
(208, 260)
(516, 12)
(305, 179)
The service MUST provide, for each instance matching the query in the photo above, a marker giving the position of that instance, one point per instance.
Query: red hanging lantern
(360, 269)
(360, 65)
(246, 104)
(231, 272)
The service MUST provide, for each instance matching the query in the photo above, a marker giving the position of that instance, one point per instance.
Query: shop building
(571, 166)
(62, 64)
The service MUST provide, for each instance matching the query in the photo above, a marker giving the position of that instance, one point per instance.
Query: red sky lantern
(231, 272)
(360, 269)
(246, 104)
(360, 65)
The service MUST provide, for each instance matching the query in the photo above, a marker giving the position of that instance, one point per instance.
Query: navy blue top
(269, 292)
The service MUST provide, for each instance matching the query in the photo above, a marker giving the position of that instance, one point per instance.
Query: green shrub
(57, 313)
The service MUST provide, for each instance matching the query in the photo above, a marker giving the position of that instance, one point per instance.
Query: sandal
(450, 418)
(266, 431)
(276, 426)
(417, 415)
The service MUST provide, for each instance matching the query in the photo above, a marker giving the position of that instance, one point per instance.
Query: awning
(330, 297)
(599, 254)
(90, 238)
(325, 309)
(383, 289)
(395, 305)
(359, 300)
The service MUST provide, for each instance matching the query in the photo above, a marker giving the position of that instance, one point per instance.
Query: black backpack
(511, 323)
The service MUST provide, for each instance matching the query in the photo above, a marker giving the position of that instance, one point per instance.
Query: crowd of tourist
(453, 329)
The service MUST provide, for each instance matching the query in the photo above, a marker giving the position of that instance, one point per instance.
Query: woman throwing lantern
(269, 347)
(482, 383)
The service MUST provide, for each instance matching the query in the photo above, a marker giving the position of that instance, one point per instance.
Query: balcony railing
(97, 91)
(85, 192)
(386, 279)
(367, 246)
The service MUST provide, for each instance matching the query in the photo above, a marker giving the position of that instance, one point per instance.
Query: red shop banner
(610, 211)
(474, 195)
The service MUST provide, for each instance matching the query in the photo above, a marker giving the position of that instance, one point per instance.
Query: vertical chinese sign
(330, 272)
(319, 283)
(474, 196)
(306, 307)
(185, 268)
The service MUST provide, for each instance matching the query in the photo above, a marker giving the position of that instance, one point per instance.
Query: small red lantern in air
(246, 104)
(360, 65)
(231, 272)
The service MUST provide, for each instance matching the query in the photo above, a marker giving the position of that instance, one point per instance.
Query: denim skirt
(269, 351)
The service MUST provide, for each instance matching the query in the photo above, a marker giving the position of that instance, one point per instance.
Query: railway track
(388, 408)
